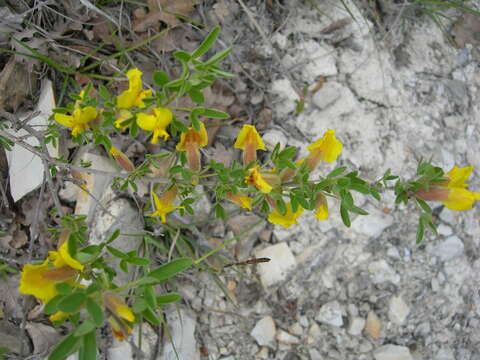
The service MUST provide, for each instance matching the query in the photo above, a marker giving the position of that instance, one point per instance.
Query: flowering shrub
(78, 284)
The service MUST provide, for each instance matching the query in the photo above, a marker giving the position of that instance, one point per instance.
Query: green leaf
(52, 306)
(151, 316)
(86, 327)
(337, 172)
(95, 311)
(174, 84)
(168, 270)
(72, 302)
(117, 253)
(420, 231)
(165, 299)
(182, 56)
(89, 349)
(103, 91)
(214, 114)
(219, 211)
(425, 207)
(194, 120)
(218, 56)
(65, 348)
(207, 43)
(281, 206)
(64, 288)
(150, 298)
(139, 261)
(196, 96)
(114, 235)
(161, 78)
(344, 215)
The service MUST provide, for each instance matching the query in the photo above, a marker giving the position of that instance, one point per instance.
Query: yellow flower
(453, 193)
(157, 123)
(133, 97)
(249, 141)
(79, 120)
(257, 179)
(191, 141)
(122, 115)
(63, 258)
(241, 200)
(120, 329)
(117, 307)
(40, 280)
(122, 160)
(164, 205)
(327, 149)
(322, 207)
(60, 315)
(290, 217)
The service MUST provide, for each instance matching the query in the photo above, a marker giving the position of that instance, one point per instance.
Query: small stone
(69, 192)
(356, 326)
(448, 249)
(444, 230)
(182, 327)
(296, 329)
(398, 310)
(273, 137)
(382, 272)
(284, 337)
(264, 331)
(315, 355)
(327, 95)
(373, 326)
(287, 96)
(392, 352)
(331, 314)
(277, 269)
(314, 334)
(262, 354)
(120, 350)
(372, 225)
(280, 39)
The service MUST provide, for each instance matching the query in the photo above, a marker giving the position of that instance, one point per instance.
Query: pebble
(273, 137)
(356, 326)
(392, 352)
(327, 95)
(382, 272)
(449, 248)
(372, 225)
(182, 327)
(331, 313)
(314, 334)
(398, 310)
(264, 331)
(284, 337)
(373, 326)
(296, 329)
(281, 263)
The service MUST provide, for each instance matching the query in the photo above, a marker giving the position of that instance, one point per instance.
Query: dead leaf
(19, 239)
(221, 154)
(170, 41)
(11, 337)
(264, 119)
(10, 297)
(467, 30)
(165, 11)
(43, 337)
(16, 83)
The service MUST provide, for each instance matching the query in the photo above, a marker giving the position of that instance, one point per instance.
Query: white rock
(449, 248)
(373, 224)
(328, 94)
(445, 353)
(444, 230)
(314, 334)
(320, 59)
(286, 94)
(398, 310)
(314, 354)
(296, 329)
(95, 184)
(69, 192)
(273, 137)
(25, 170)
(149, 339)
(392, 352)
(284, 337)
(182, 327)
(277, 269)
(120, 350)
(382, 272)
(264, 331)
(280, 39)
(331, 313)
(356, 326)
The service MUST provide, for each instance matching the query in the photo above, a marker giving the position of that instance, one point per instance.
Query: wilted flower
(156, 122)
(241, 200)
(249, 141)
(122, 160)
(133, 97)
(191, 141)
(327, 149)
(257, 179)
(452, 193)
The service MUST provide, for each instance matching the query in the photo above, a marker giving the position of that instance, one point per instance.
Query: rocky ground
(395, 91)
